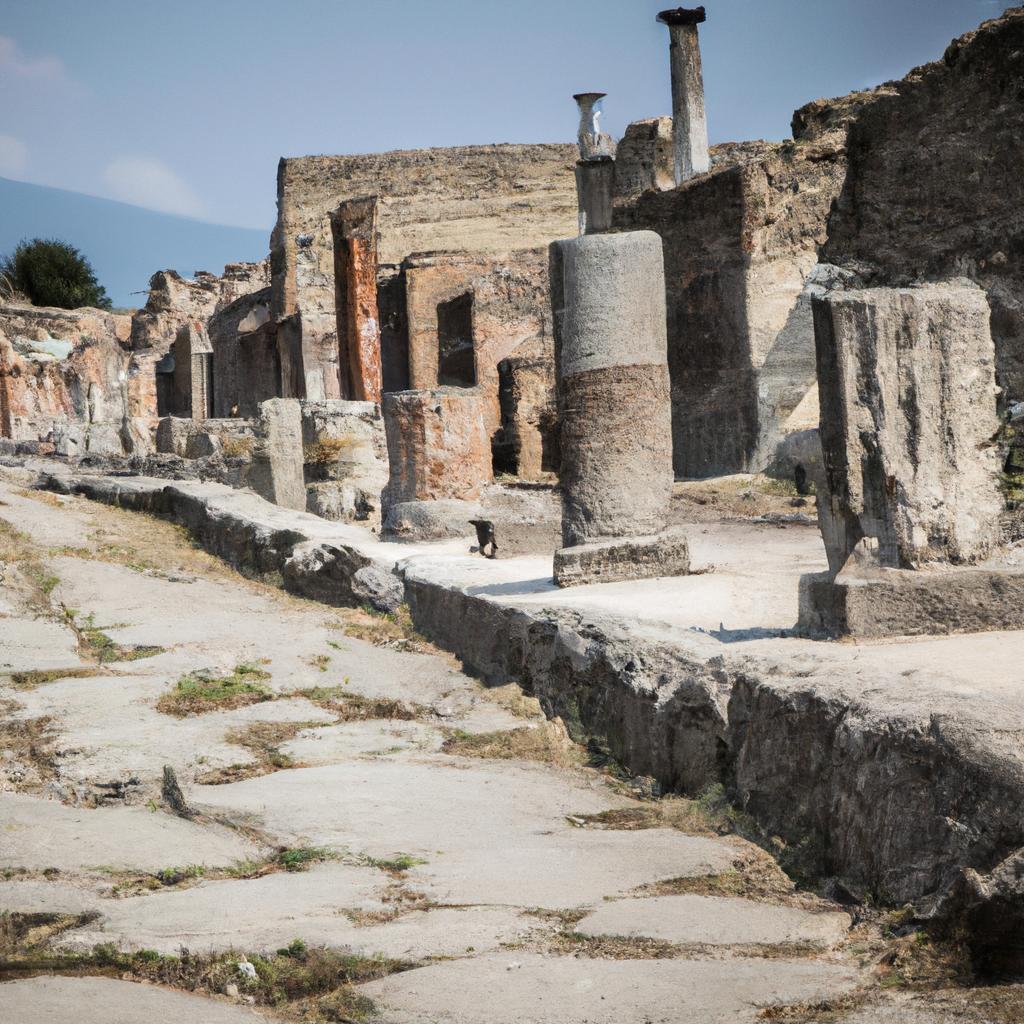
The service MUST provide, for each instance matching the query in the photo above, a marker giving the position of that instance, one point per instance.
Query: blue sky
(186, 107)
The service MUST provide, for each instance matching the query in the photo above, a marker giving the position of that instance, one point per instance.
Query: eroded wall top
(481, 199)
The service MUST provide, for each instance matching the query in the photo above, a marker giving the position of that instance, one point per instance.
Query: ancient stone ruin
(636, 430)
(616, 466)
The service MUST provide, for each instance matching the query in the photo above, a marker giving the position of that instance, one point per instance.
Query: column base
(909, 602)
(626, 558)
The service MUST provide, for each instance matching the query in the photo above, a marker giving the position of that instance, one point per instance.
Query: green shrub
(53, 273)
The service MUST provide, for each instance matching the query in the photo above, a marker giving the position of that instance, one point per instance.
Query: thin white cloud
(148, 182)
(13, 156)
(36, 69)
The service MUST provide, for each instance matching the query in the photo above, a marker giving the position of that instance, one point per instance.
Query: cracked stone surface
(692, 919)
(105, 1001)
(531, 989)
(465, 866)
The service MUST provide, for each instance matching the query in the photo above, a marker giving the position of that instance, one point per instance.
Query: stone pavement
(460, 888)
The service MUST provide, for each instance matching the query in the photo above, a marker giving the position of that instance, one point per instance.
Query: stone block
(438, 445)
(908, 398)
(634, 558)
(278, 458)
(907, 602)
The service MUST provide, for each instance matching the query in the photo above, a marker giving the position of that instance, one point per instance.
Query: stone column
(608, 298)
(595, 191)
(277, 465)
(689, 118)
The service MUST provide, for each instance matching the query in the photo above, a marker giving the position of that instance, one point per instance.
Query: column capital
(683, 16)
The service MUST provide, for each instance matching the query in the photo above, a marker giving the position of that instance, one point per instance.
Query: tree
(53, 273)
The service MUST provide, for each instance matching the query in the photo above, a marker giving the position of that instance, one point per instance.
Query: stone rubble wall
(173, 301)
(934, 189)
(345, 458)
(741, 249)
(69, 381)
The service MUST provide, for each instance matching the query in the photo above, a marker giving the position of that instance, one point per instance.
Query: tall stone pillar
(595, 190)
(595, 171)
(354, 228)
(608, 298)
(911, 503)
(689, 118)
(438, 445)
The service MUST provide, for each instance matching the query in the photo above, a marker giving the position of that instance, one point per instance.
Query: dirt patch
(18, 552)
(43, 497)
(95, 645)
(354, 707)
(741, 498)
(40, 677)
(395, 632)
(22, 933)
(263, 740)
(28, 757)
(200, 692)
(514, 701)
(546, 743)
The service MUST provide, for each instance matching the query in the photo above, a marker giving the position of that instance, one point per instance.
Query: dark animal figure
(485, 537)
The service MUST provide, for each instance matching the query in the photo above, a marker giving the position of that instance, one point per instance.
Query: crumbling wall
(345, 457)
(934, 189)
(173, 300)
(528, 445)
(741, 247)
(246, 365)
(68, 380)
(506, 302)
(470, 199)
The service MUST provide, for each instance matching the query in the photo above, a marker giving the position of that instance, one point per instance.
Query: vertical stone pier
(595, 188)
(608, 300)
(911, 504)
(354, 230)
(595, 171)
(689, 118)
(439, 454)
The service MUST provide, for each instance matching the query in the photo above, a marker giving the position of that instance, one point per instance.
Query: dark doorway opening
(456, 359)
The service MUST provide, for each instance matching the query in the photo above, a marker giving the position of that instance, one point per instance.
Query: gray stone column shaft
(608, 299)
(595, 189)
(613, 387)
(689, 117)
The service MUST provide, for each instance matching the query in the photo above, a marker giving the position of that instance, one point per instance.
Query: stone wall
(741, 248)
(68, 379)
(174, 300)
(246, 364)
(934, 189)
(465, 314)
(529, 443)
(474, 199)
(345, 457)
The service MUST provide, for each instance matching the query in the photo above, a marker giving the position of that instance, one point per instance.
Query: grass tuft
(546, 742)
(200, 692)
(40, 677)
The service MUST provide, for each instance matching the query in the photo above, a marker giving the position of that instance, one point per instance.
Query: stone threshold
(891, 765)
